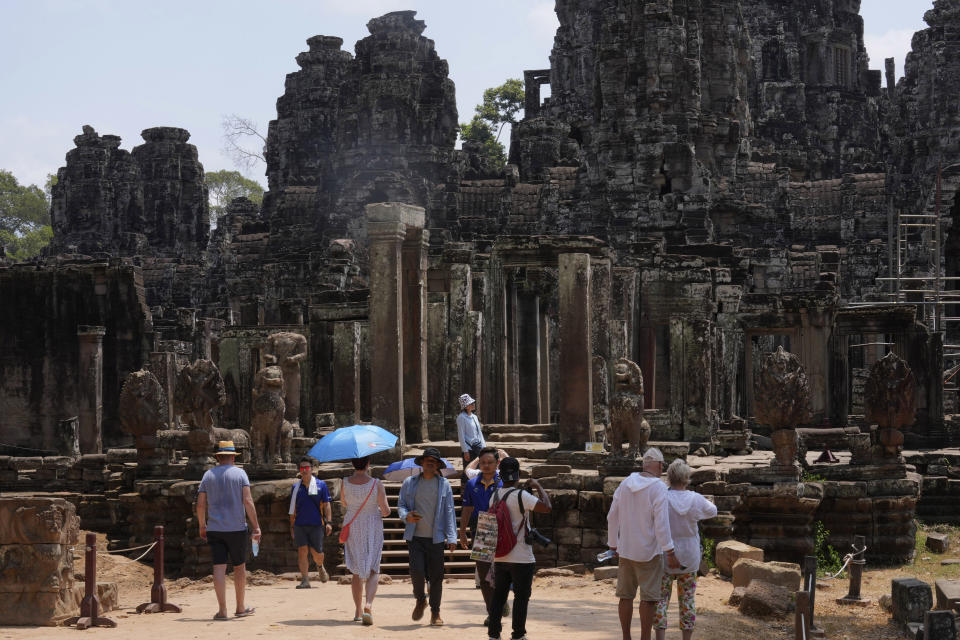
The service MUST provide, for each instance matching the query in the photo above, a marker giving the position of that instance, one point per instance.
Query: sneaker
(420, 607)
(304, 584)
(322, 574)
(436, 620)
(506, 611)
(486, 621)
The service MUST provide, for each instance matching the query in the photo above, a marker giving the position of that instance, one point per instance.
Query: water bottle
(256, 547)
(606, 555)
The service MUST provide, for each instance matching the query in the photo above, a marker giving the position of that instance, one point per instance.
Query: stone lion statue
(626, 410)
(143, 405)
(198, 391)
(781, 392)
(269, 432)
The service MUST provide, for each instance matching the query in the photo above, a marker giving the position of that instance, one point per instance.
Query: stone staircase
(532, 443)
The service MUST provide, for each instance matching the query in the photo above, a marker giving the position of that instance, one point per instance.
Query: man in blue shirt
(426, 506)
(476, 498)
(309, 521)
(224, 502)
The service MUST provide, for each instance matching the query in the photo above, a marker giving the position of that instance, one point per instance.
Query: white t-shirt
(522, 553)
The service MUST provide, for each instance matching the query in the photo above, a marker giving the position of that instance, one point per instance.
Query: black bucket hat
(430, 452)
(509, 470)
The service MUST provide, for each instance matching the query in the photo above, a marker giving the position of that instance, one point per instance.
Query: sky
(122, 66)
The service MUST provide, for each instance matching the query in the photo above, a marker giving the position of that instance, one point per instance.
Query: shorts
(309, 534)
(228, 544)
(645, 576)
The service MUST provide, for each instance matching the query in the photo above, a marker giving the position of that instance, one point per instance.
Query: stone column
(544, 356)
(387, 225)
(414, 331)
(512, 366)
(163, 365)
(90, 387)
(346, 372)
(576, 382)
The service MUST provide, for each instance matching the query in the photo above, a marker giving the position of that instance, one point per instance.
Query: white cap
(652, 455)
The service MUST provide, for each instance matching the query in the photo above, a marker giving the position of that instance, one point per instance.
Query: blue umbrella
(405, 468)
(356, 441)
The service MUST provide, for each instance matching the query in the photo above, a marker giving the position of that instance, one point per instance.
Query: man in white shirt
(638, 529)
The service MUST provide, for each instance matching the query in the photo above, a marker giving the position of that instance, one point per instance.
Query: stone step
(520, 428)
(453, 570)
(523, 437)
(451, 448)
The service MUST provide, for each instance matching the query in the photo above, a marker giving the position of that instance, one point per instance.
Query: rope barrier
(138, 558)
(846, 561)
(4, 445)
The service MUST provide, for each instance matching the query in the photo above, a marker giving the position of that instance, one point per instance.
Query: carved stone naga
(782, 402)
(198, 391)
(142, 410)
(626, 410)
(269, 431)
(889, 398)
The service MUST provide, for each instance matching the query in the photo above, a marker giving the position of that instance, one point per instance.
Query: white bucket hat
(653, 455)
(466, 401)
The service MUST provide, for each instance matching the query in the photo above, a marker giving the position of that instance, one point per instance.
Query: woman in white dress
(365, 540)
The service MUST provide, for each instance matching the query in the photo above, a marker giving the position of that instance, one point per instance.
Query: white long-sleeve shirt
(468, 430)
(638, 524)
(686, 508)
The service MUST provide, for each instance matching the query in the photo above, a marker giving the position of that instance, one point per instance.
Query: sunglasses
(305, 468)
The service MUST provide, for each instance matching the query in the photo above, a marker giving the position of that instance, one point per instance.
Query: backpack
(506, 536)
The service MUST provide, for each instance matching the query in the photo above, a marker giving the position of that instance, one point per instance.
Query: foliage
(709, 549)
(239, 134)
(501, 105)
(224, 186)
(479, 132)
(24, 217)
(807, 476)
(829, 559)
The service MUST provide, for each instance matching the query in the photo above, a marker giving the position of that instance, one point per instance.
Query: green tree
(501, 106)
(24, 217)
(224, 186)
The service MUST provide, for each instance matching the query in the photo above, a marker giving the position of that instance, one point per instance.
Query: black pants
(521, 575)
(426, 563)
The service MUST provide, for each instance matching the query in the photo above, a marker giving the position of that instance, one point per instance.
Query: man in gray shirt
(425, 504)
(223, 500)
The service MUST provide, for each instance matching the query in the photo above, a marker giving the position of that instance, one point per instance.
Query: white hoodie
(638, 521)
(686, 508)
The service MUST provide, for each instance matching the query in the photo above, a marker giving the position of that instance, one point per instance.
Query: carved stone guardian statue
(889, 398)
(199, 390)
(270, 440)
(289, 350)
(626, 410)
(782, 402)
(142, 411)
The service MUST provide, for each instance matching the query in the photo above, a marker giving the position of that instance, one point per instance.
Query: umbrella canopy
(405, 468)
(356, 441)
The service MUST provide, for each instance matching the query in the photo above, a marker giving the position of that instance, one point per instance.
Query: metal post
(857, 563)
(158, 593)
(90, 605)
(801, 619)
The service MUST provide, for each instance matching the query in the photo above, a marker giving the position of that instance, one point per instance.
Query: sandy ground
(560, 606)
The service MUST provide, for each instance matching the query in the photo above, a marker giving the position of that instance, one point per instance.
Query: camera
(535, 537)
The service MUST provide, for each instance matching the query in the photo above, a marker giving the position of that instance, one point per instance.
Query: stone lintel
(407, 214)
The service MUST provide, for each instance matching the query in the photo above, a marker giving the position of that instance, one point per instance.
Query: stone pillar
(512, 365)
(163, 365)
(544, 357)
(438, 402)
(346, 372)
(387, 225)
(90, 387)
(460, 302)
(576, 383)
(414, 331)
(528, 356)
(891, 73)
(68, 437)
(623, 310)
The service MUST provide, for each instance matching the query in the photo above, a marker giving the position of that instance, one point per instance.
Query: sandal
(367, 617)
(220, 616)
(357, 618)
(246, 612)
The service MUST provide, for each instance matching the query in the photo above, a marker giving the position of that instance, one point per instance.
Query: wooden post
(90, 605)
(158, 592)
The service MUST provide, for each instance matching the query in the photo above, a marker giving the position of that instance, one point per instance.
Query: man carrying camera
(518, 566)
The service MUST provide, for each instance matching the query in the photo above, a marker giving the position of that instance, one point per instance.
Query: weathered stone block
(939, 625)
(729, 551)
(948, 594)
(602, 573)
(592, 502)
(546, 470)
(937, 542)
(765, 599)
(26, 520)
(911, 599)
(35, 567)
(785, 574)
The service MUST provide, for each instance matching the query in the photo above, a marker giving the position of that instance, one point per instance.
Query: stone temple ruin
(718, 193)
